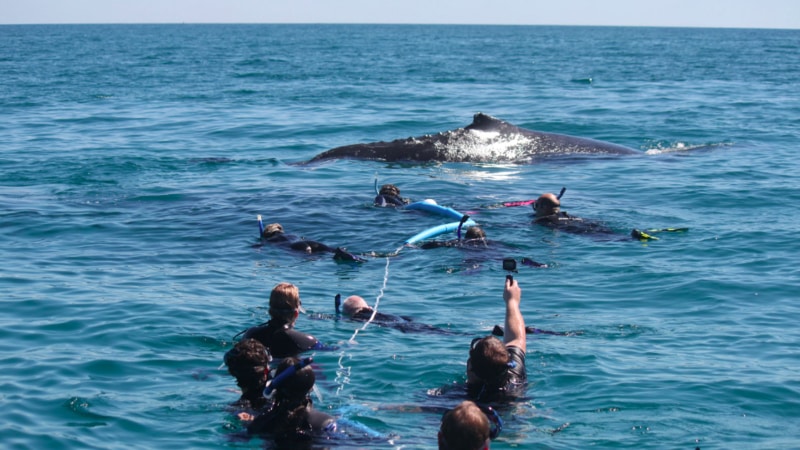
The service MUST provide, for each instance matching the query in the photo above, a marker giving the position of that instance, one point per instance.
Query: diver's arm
(515, 323)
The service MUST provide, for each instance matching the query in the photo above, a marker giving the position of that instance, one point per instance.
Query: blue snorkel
(460, 224)
(283, 376)
(563, 189)
(337, 303)
(260, 225)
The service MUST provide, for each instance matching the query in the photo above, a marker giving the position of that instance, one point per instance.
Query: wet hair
(284, 301)
(272, 229)
(475, 233)
(489, 359)
(389, 189)
(464, 427)
(546, 203)
(292, 400)
(248, 361)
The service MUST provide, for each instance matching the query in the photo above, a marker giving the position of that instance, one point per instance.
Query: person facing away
(274, 233)
(547, 209)
(292, 416)
(495, 368)
(389, 195)
(464, 427)
(278, 334)
(248, 361)
(473, 237)
(356, 308)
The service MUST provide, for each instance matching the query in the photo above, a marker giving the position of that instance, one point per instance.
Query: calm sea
(134, 160)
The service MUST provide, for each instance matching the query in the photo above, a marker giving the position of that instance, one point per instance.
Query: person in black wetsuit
(248, 361)
(356, 308)
(274, 233)
(292, 417)
(474, 237)
(547, 209)
(278, 335)
(496, 369)
(389, 195)
(475, 240)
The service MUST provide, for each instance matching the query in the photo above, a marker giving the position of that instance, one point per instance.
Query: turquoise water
(134, 160)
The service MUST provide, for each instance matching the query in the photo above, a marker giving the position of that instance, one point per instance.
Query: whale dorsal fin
(484, 122)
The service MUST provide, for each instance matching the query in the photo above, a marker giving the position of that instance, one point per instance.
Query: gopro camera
(510, 265)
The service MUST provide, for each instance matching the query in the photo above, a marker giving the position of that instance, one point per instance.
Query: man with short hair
(497, 368)
(464, 427)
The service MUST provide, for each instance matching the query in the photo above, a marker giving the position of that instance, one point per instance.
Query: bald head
(546, 205)
(353, 305)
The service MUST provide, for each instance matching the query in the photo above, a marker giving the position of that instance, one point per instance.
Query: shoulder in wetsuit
(400, 323)
(282, 340)
(384, 200)
(286, 426)
(570, 224)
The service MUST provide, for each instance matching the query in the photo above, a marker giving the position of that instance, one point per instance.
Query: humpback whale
(486, 139)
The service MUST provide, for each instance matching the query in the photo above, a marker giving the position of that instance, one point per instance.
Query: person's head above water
(464, 427)
(547, 205)
(389, 189)
(298, 385)
(489, 360)
(353, 305)
(475, 233)
(271, 230)
(248, 361)
(284, 303)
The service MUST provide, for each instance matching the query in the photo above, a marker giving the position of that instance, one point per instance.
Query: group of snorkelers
(276, 380)
(546, 208)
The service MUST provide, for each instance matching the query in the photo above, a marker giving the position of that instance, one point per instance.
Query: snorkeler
(547, 212)
(496, 368)
(278, 335)
(292, 416)
(474, 237)
(356, 308)
(389, 195)
(468, 426)
(248, 361)
(274, 233)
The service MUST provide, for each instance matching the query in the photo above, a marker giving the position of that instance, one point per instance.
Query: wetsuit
(472, 243)
(384, 200)
(308, 423)
(297, 243)
(571, 224)
(513, 384)
(400, 323)
(282, 340)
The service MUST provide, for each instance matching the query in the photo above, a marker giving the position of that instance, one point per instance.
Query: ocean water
(134, 160)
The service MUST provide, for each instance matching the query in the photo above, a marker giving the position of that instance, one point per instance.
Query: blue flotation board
(431, 207)
(439, 229)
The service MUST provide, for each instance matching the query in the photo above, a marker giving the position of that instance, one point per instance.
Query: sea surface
(134, 160)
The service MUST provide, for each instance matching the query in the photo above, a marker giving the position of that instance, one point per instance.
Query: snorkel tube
(283, 376)
(560, 194)
(460, 224)
(260, 226)
(337, 303)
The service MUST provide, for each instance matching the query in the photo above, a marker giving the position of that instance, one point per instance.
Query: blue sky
(683, 13)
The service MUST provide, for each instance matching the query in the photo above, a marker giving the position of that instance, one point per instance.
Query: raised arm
(515, 323)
